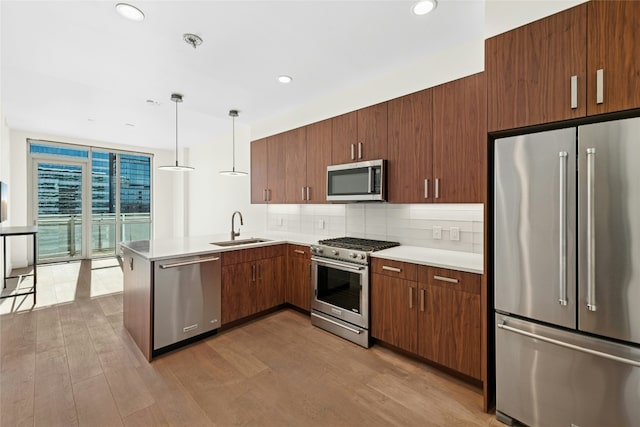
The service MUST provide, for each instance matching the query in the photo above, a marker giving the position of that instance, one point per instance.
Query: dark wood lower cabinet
(298, 284)
(393, 311)
(437, 316)
(252, 281)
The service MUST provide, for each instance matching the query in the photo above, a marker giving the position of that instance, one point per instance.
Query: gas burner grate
(355, 243)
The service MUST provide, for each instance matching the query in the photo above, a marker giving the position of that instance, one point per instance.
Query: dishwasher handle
(183, 263)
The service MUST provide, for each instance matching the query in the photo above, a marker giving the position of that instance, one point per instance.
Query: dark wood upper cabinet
(410, 148)
(529, 71)
(276, 168)
(318, 158)
(360, 135)
(344, 135)
(460, 140)
(614, 48)
(259, 163)
(295, 148)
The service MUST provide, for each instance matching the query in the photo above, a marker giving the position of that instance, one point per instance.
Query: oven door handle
(338, 264)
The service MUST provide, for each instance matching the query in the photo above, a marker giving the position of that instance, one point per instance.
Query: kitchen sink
(240, 242)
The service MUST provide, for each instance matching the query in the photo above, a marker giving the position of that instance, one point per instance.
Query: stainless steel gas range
(340, 276)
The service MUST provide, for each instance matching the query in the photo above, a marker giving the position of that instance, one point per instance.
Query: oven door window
(339, 288)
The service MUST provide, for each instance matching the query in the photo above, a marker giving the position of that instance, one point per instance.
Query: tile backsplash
(410, 224)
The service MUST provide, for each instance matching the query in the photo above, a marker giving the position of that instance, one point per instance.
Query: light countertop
(159, 249)
(462, 261)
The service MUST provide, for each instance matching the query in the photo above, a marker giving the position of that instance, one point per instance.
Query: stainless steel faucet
(233, 217)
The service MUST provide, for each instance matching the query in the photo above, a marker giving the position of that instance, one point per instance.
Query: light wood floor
(72, 363)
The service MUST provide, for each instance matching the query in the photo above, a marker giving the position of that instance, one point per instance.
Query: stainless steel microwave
(357, 182)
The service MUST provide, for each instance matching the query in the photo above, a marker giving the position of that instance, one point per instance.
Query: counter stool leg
(35, 269)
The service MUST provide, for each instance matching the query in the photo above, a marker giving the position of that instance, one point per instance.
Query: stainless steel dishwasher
(186, 299)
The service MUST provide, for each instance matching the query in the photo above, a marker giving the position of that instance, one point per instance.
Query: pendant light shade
(233, 171)
(177, 98)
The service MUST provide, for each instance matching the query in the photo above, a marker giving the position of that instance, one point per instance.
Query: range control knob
(313, 250)
(362, 256)
(352, 255)
(334, 252)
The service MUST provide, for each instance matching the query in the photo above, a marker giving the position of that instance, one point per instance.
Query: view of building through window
(118, 186)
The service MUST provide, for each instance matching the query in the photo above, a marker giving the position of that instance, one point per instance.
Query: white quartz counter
(462, 261)
(159, 249)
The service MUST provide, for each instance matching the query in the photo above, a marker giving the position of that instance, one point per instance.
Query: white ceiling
(78, 69)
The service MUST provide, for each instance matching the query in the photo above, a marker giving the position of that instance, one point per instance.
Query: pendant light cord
(176, 101)
(234, 142)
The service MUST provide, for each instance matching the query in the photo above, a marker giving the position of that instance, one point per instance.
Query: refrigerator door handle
(591, 230)
(562, 296)
(503, 325)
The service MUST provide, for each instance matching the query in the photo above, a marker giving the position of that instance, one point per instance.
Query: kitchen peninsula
(269, 264)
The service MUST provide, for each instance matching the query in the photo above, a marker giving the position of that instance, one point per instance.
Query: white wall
(213, 197)
(450, 65)
(163, 196)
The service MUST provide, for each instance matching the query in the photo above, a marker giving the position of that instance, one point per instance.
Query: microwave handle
(370, 185)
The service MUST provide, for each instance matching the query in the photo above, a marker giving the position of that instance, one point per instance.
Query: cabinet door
(409, 174)
(295, 149)
(449, 320)
(344, 135)
(259, 171)
(460, 140)
(270, 286)
(238, 289)
(372, 133)
(613, 29)
(529, 71)
(298, 290)
(318, 158)
(276, 168)
(394, 311)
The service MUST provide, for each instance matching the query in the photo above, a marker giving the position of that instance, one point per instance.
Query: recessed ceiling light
(425, 6)
(129, 124)
(284, 79)
(129, 12)
(153, 102)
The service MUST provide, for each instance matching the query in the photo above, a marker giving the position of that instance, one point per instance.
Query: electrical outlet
(437, 232)
(321, 224)
(454, 233)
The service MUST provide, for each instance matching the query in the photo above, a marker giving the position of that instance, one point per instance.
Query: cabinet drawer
(398, 269)
(298, 251)
(253, 254)
(453, 279)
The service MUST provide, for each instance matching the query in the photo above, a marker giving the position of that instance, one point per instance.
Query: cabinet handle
(445, 279)
(308, 192)
(130, 263)
(395, 270)
(303, 194)
(359, 150)
(410, 297)
(259, 271)
(268, 194)
(437, 191)
(574, 92)
(422, 299)
(353, 152)
(264, 195)
(426, 188)
(298, 251)
(253, 273)
(599, 86)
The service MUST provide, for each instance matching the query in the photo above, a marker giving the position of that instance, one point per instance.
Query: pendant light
(176, 97)
(233, 171)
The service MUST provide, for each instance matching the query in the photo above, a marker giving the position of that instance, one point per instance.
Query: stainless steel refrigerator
(567, 276)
